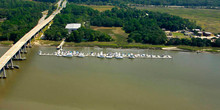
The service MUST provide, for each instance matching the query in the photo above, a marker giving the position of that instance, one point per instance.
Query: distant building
(200, 33)
(167, 31)
(147, 14)
(73, 26)
(163, 29)
(169, 37)
(3, 19)
(188, 33)
(198, 30)
(207, 33)
(213, 40)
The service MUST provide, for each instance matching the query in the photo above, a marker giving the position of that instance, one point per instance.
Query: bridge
(14, 53)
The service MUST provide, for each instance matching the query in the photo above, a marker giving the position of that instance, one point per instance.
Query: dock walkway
(61, 44)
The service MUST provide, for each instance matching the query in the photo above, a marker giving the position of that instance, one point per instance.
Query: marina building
(73, 26)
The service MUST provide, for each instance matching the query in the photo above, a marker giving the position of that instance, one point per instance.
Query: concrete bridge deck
(25, 39)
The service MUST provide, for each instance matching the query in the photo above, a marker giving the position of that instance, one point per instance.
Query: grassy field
(201, 49)
(117, 34)
(209, 19)
(120, 41)
(6, 43)
(100, 7)
(179, 35)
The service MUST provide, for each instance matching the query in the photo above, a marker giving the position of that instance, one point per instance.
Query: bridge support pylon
(19, 56)
(29, 44)
(12, 65)
(23, 49)
(3, 73)
(6, 66)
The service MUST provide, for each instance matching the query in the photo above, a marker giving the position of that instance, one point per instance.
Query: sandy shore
(172, 48)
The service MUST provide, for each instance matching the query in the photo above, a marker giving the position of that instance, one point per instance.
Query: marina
(101, 55)
(112, 84)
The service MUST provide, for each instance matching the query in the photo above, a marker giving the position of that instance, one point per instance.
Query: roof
(208, 32)
(73, 26)
(196, 29)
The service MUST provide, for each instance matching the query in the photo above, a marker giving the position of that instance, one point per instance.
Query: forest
(151, 2)
(142, 26)
(20, 17)
(75, 14)
(52, 1)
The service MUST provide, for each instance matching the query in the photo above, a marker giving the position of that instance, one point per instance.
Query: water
(189, 81)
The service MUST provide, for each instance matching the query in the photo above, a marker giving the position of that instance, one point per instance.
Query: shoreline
(213, 50)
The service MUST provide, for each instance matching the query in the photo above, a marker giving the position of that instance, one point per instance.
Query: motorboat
(131, 57)
(100, 55)
(68, 54)
(81, 55)
(40, 52)
(109, 57)
(119, 56)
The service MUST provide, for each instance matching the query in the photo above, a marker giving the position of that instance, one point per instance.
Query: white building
(73, 26)
(198, 30)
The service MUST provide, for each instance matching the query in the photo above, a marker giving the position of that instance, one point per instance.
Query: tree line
(194, 42)
(151, 2)
(52, 1)
(21, 16)
(142, 26)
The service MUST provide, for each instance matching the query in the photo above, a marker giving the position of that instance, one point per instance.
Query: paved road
(16, 47)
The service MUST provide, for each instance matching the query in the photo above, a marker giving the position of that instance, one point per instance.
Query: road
(16, 47)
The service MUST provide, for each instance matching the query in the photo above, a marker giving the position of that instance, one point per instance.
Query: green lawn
(193, 48)
(179, 35)
(209, 19)
(6, 43)
(100, 7)
(117, 34)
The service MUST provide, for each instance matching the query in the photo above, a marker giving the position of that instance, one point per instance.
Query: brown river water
(189, 81)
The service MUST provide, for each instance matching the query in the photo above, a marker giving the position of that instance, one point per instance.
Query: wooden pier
(61, 44)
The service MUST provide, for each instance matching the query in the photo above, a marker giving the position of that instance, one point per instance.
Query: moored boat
(81, 55)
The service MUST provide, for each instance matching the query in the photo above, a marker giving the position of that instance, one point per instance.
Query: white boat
(131, 57)
(169, 56)
(68, 55)
(40, 52)
(153, 56)
(59, 55)
(100, 55)
(119, 56)
(81, 55)
(109, 57)
(158, 56)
